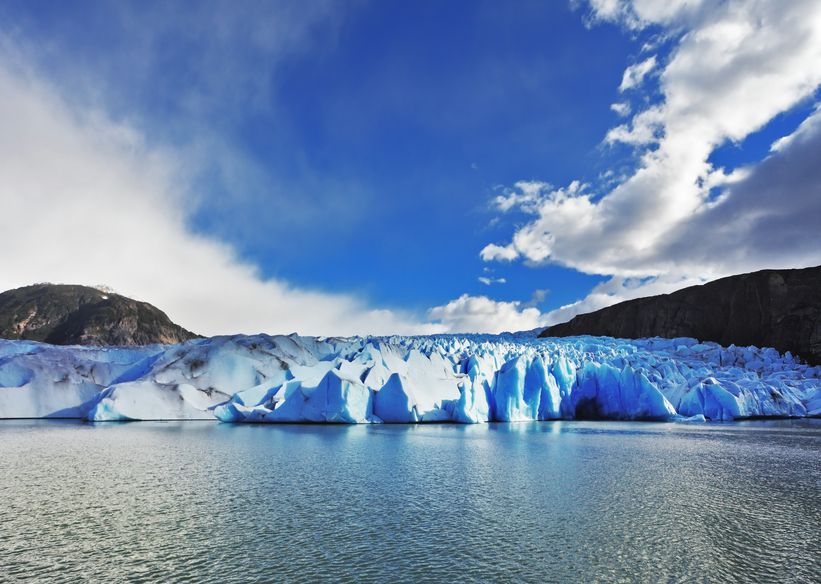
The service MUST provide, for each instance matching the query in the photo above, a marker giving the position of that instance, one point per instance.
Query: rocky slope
(770, 308)
(80, 315)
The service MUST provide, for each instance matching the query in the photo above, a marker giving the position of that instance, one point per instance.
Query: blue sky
(367, 154)
(410, 121)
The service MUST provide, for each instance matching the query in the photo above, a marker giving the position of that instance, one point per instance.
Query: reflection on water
(536, 502)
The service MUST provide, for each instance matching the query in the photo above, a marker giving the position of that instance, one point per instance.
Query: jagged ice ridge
(464, 379)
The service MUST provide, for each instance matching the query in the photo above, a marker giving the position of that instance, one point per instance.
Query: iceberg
(465, 379)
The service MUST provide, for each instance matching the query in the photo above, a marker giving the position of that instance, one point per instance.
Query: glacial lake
(528, 502)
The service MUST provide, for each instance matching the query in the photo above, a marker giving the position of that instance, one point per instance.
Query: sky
(365, 167)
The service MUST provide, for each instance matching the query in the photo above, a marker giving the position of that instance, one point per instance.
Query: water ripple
(542, 502)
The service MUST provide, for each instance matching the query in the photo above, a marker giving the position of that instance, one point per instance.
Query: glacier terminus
(450, 378)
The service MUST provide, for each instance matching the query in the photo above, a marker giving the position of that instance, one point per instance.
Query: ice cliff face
(465, 379)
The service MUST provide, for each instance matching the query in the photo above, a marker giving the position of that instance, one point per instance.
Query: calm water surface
(540, 502)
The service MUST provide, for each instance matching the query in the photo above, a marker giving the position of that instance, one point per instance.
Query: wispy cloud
(197, 80)
(89, 200)
(490, 281)
(634, 75)
(622, 108)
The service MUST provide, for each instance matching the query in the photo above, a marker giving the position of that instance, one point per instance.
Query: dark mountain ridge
(769, 308)
(80, 315)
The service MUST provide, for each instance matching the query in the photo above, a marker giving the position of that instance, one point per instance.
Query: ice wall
(464, 379)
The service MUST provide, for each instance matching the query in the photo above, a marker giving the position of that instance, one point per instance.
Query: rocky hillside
(770, 308)
(80, 315)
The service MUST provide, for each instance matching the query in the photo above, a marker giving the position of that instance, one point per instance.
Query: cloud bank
(475, 314)
(679, 219)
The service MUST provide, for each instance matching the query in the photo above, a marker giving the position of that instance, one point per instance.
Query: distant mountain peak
(67, 314)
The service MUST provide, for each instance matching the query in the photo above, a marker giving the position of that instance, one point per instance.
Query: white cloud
(767, 217)
(735, 66)
(490, 281)
(493, 252)
(525, 195)
(469, 314)
(621, 108)
(198, 79)
(87, 200)
(677, 219)
(645, 128)
(636, 14)
(634, 75)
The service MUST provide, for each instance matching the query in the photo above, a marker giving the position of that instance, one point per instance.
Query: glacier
(465, 379)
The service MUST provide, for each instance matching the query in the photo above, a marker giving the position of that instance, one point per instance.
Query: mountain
(770, 308)
(79, 315)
